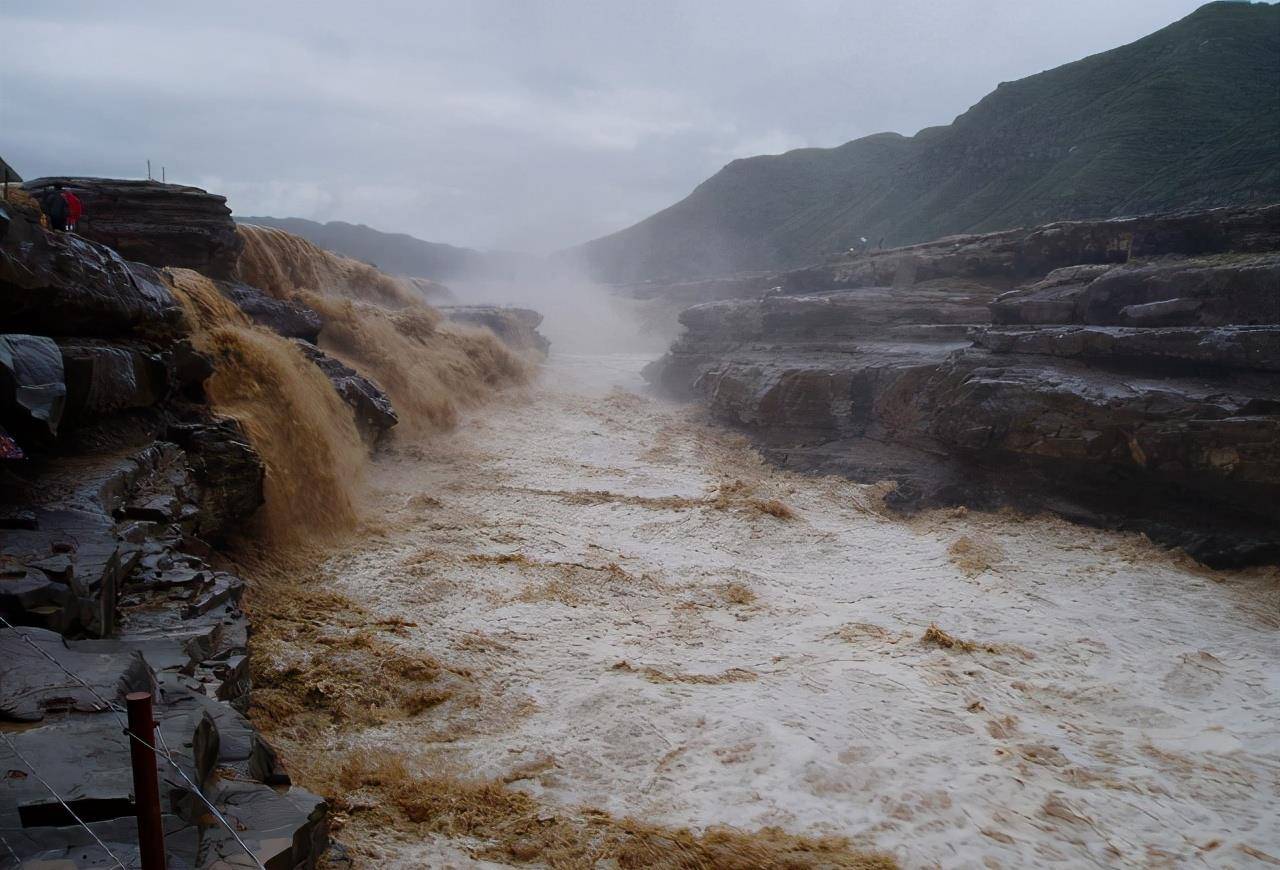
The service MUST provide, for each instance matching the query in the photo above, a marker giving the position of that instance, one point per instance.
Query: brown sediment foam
(737, 593)
(732, 495)
(654, 675)
(974, 554)
(322, 661)
(430, 369)
(936, 636)
(283, 264)
(512, 826)
(288, 408)
(380, 325)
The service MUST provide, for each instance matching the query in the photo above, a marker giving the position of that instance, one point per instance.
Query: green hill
(1188, 116)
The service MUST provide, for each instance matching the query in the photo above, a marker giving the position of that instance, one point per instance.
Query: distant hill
(1188, 116)
(400, 254)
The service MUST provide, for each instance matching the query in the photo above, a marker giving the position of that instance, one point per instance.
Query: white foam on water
(1119, 709)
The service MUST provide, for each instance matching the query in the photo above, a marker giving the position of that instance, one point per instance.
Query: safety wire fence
(163, 752)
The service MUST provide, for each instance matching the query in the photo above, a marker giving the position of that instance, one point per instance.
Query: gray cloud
(528, 125)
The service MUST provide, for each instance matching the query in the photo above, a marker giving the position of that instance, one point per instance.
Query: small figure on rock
(54, 206)
(74, 210)
(62, 208)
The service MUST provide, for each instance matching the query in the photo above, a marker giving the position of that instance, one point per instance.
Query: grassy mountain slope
(1188, 116)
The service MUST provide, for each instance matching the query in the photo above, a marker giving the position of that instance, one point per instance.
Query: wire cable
(59, 799)
(166, 753)
(167, 756)
(114, 708)
(17, 862)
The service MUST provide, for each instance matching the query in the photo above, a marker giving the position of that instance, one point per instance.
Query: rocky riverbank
(122, 481)
(1120, 373)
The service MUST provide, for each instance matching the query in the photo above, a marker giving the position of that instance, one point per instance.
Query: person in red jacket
(74, 209)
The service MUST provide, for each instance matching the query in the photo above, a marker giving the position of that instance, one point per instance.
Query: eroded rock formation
(1122, 373)
(121, 480)
(517, 327)
(105, 566)
(154, 223)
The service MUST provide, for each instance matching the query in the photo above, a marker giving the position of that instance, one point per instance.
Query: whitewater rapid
(644, 635)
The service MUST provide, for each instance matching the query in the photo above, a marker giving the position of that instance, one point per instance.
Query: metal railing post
(146, 785)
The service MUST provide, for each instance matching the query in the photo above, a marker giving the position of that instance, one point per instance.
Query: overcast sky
(521, 124)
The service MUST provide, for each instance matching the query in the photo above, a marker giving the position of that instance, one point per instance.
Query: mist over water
(580, 316)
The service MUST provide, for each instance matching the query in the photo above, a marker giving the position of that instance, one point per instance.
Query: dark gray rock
(517, 327)
(374, 414)
(62, 284)
(282, 830)
(154, 223)
(229, 472)
(1129, 393)
(286, 317)
(33, 391)
(189, 369)
(105, 377)
(79, 598)
(71, 847)
(1234, 347)
(32, 687)
(1228, 289)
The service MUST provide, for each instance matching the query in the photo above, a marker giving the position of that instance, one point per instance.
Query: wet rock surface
(1122, 373)
(517, 327)
(154, 223)
(374, 414)
(63, 284)
(32, 387)
(164, 619)
(285, 317)
(106, 573)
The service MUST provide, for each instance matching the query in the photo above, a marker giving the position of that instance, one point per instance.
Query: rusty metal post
(146, 784)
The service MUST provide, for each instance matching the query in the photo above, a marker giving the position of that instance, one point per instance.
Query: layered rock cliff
(153, 223)
(1122, 373)
(106, 567)
(146, 416)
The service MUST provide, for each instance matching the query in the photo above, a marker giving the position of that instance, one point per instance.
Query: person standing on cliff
(54, 206)
(75, 208)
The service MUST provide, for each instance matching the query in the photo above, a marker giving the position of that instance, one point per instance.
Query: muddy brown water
(634, 613)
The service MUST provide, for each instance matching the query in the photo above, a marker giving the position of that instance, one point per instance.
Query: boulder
(517, 327)
(229, 472)
(374, 414)
(106, 377)
(154, 223)
(285, 317)
(63, 285)
(33, 391)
